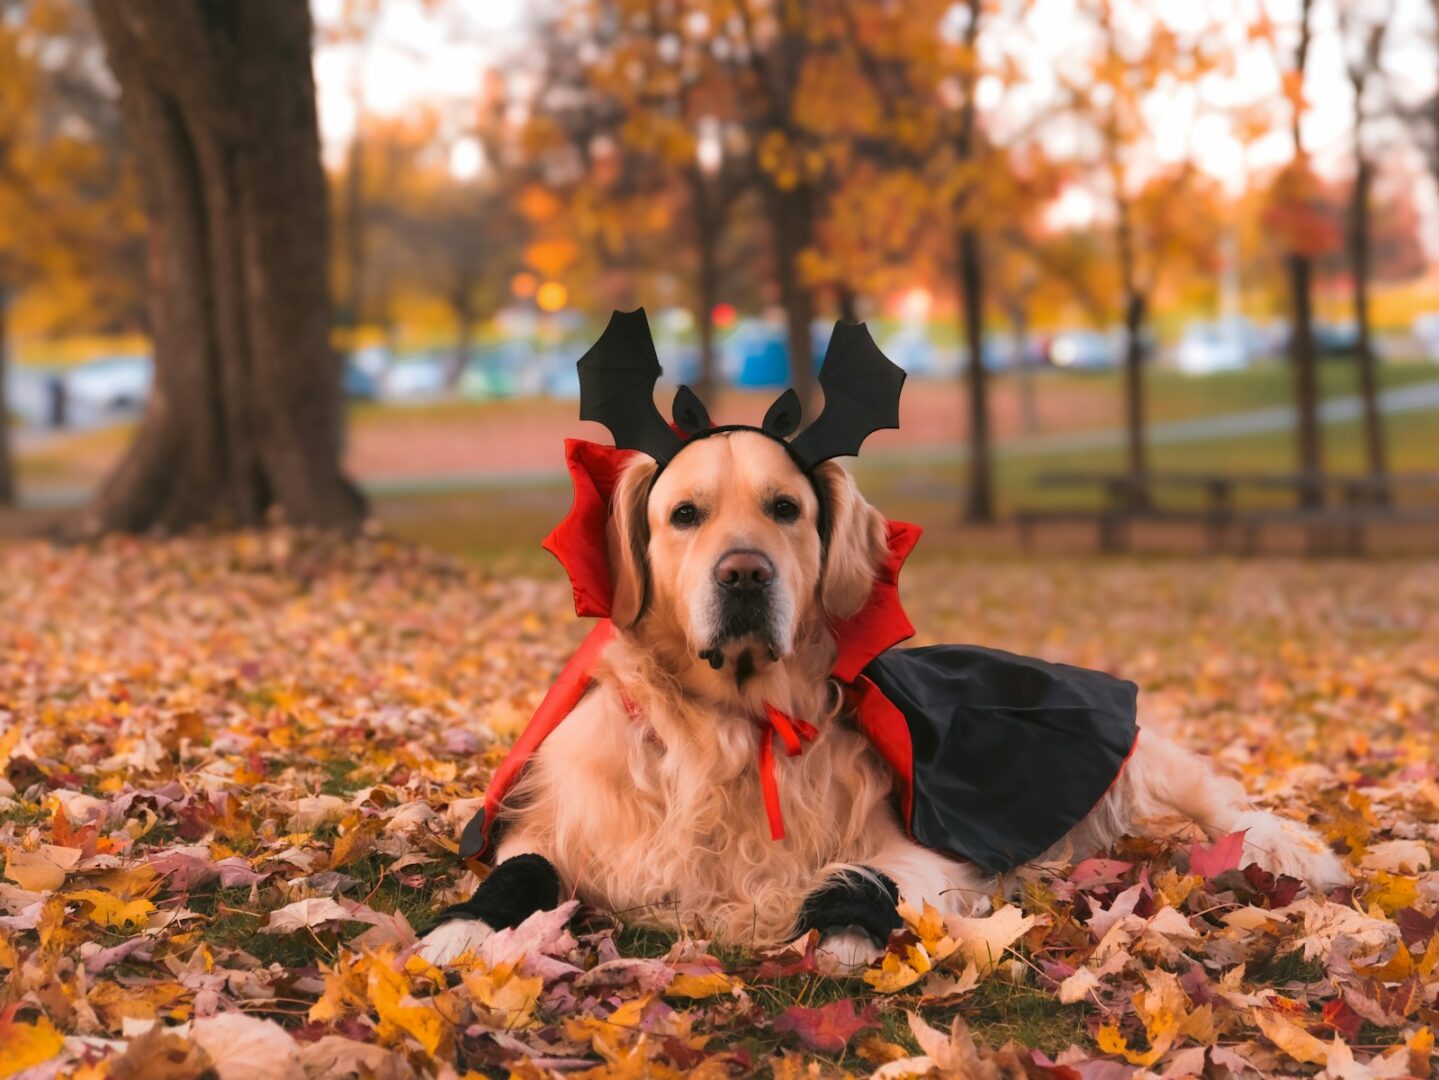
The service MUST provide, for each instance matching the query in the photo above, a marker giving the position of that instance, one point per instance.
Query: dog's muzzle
(743, 582)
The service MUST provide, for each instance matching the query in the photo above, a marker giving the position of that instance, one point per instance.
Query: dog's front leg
(854, 907)
(854, 912)
(519, 885)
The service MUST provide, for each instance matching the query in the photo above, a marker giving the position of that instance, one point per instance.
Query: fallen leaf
(24, 1045)
(1211, 860)
(829, 1028)
(1289, 1037)
(42, 870)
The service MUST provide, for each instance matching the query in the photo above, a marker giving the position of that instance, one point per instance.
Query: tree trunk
(245, 414)
(1306, 380)
(707, 289)
(1301, 338)
(1374, 454)
(7, 468)
(979, 500)
(354, 313)
(1135, 313)
(464, 341)
(848, 303)
(1024, 374)
(791, 215)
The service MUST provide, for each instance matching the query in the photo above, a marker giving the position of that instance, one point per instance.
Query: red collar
(578, 542)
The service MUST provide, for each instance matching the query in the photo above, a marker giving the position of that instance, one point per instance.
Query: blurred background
(1162, 273)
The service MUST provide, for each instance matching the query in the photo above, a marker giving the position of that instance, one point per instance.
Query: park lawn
(434, 440)
(233, 769)
(1171, 395)
(505, 523)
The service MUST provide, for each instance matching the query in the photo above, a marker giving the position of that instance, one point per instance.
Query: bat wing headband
(617, 383)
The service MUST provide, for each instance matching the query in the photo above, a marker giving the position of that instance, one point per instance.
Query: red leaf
(787, 963)
(1211, 860)
(1416, 927)
(1339, 1017)
(1277, 891)
(829, 1028)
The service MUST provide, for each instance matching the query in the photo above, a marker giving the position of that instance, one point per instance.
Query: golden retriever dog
(646, 801)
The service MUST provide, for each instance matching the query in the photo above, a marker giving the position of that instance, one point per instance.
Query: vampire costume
(995, 756)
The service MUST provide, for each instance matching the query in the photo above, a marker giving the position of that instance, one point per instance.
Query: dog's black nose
(743, 571)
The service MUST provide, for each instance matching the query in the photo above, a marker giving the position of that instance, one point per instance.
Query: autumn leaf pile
(232, 773)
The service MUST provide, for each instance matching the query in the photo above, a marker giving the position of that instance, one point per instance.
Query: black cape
(1008, 752)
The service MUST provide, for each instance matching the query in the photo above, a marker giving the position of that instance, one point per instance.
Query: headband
(617, 385)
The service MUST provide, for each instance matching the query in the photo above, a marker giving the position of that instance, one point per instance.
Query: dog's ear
(856, 543)
(628, 539)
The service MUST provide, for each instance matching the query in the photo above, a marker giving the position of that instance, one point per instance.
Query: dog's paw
(1282, 846)
(450, 940)
(859, 900)
(847, 952)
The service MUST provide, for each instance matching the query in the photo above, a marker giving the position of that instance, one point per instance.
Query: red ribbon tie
(793, 734)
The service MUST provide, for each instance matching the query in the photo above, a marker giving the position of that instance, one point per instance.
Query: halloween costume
(995, 756)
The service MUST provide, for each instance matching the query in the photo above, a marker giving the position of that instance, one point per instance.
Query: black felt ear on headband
(617, 388)
(689, 412)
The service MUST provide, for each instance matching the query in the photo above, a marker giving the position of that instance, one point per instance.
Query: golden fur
(647, 798)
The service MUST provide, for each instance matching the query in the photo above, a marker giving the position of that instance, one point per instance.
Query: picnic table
(1329, 505)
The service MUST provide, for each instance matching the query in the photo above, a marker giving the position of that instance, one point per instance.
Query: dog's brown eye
(684, 515)
(785, 510)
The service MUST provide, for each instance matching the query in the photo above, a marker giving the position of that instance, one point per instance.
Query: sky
(419, 53)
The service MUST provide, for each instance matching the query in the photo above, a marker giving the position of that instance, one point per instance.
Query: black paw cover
(514, 891)
(866, 901)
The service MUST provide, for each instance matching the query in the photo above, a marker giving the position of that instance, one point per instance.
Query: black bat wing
(861, 396)
(617, 387)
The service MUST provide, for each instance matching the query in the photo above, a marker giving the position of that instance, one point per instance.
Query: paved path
(1407, 399)
(1415, 398)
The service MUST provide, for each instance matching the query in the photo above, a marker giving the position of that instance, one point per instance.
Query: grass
(502, 527)
(998, 1011)
(1171, 395)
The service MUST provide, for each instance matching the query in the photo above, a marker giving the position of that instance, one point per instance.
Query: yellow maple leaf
(928, 926)
(1292, 1039)
(1392, 892)
(1396, 969)
(1429, 963)
(1421, 1050)
(24, 1045)
(509, 998)
(106, 909)
(702, 986)
(389, 993)
(893, 974)
(41, 870)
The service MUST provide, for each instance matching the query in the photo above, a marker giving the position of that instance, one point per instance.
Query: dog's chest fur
(660, 817)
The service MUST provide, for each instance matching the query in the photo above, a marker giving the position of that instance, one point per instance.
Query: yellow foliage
(892, 975)
(1392, 892)
(24, 1045)
(389, 996)
(1289, 1037)
(509, 998)
(702, 986)
(106, 909)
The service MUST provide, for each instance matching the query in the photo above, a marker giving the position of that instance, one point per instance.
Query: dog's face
(726, 549)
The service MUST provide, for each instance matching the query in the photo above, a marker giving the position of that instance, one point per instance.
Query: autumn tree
(1362, 30)
(1294, 219)
(638, 98)
(921, 64)
(66, 199)
(1151, 206)
(246, 412)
